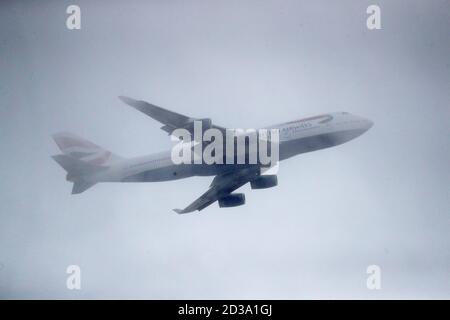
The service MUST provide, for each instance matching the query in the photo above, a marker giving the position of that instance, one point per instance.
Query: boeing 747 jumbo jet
(87, 164)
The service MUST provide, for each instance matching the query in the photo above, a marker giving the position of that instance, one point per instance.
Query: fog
(381, 199)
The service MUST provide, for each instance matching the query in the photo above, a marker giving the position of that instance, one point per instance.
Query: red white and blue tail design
(82, 160)
(84, 150)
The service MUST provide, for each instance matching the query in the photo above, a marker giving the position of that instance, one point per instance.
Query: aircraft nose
(368, 124)
(363, 123)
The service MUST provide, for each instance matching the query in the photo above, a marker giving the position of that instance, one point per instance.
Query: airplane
(87, 163)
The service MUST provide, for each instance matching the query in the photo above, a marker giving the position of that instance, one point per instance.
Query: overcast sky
(381, 199)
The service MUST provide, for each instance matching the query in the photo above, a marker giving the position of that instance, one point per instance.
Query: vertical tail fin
(81, 159)
(82, 149)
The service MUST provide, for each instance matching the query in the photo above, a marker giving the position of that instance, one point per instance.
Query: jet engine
(263, 182)
(232, 200)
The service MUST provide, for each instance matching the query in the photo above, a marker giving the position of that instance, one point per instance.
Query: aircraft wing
(221, 186)
(170, 120)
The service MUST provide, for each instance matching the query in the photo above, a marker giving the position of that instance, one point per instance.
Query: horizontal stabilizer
(80, 185)
(75, 167)
(78, 171)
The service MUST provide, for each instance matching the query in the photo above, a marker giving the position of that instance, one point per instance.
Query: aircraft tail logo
(81, 159)
(82, 149)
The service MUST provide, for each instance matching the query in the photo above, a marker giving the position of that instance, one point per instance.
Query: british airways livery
(87, 164)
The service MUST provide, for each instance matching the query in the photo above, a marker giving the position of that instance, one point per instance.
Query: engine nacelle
(232, 200)
(263, 182)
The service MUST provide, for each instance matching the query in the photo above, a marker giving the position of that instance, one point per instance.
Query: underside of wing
(170, 120)
(222, 186)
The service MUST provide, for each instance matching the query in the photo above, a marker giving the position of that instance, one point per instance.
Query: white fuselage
(295, 137)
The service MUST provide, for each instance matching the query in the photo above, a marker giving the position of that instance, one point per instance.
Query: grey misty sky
(380, 199)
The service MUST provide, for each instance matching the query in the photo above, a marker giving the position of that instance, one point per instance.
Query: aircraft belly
(317, 142)
(174, 172)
